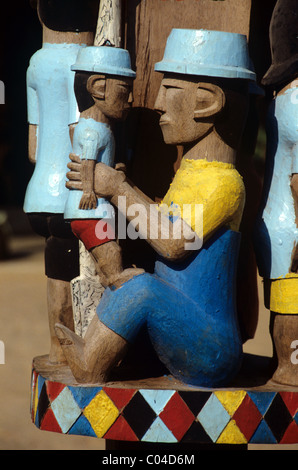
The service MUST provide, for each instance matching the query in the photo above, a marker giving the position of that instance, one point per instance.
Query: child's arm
(88, 199)
(89, 155)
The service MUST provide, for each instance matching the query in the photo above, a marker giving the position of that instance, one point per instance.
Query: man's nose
(160, 101)
(130, 98)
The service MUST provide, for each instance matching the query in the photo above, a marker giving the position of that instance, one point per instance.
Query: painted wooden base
(163, 410)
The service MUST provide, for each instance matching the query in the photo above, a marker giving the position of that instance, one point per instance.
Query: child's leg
(99, 239)
(108, 258)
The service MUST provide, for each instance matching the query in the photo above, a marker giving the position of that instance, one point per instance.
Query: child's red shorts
(93, 232)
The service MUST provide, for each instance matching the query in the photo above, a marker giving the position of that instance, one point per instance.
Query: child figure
(103, 84)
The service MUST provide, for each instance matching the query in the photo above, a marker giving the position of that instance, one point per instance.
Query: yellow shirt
(216, 186)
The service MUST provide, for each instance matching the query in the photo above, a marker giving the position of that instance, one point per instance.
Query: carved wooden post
(109, 24)
(277, 233)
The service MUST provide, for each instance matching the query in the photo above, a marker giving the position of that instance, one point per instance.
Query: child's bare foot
(126, 274)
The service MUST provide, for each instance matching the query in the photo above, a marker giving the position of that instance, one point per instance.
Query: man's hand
(106, 179)
(74, 175)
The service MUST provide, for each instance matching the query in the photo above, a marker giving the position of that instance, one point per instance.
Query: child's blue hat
(104, 59)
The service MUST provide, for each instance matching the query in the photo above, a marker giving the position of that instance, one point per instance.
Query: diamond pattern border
(168, 416)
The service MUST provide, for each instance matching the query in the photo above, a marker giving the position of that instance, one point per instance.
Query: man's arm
(172, 240)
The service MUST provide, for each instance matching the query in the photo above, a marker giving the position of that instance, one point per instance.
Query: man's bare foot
(92, 358)
(73, 347)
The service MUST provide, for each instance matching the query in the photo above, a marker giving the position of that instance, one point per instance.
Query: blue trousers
(189, 311)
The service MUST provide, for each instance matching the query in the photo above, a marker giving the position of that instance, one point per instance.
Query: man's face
(117, 97)
(176, 102)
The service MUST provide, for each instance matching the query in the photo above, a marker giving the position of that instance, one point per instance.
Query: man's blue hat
(104, 59)
(207, 53)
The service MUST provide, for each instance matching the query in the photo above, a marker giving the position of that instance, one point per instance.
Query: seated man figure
(188, 304)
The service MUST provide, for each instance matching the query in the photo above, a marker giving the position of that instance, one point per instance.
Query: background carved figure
(276, 227)
(52, 108)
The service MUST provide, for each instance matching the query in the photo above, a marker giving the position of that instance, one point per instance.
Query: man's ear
(96, 86)
(210, 100)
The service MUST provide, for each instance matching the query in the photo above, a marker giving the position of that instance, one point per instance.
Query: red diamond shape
(120, 397)
(54, 389)
(121, 431)
(49, 422)
(247, 417)
(291, 434)
(291, 401)
(177, 416)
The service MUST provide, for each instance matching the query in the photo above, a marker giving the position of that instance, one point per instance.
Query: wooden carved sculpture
(103, 88)
(276, 227)
(52, 107)
(203, 102)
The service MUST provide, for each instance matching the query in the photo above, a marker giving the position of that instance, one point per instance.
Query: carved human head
(200, 82)
(104, 78)
(188, 108)
(111, 94)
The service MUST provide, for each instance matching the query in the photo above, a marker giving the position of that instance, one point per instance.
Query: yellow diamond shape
(101, 413)
(231, 435)
(231, 400)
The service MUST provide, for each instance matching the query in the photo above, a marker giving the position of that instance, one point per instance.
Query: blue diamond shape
(262, 400)
(84, 395)
(263, 435)
(65, 409)
(158, 432)
(213, 417)
(82, 427)
(157, 399)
